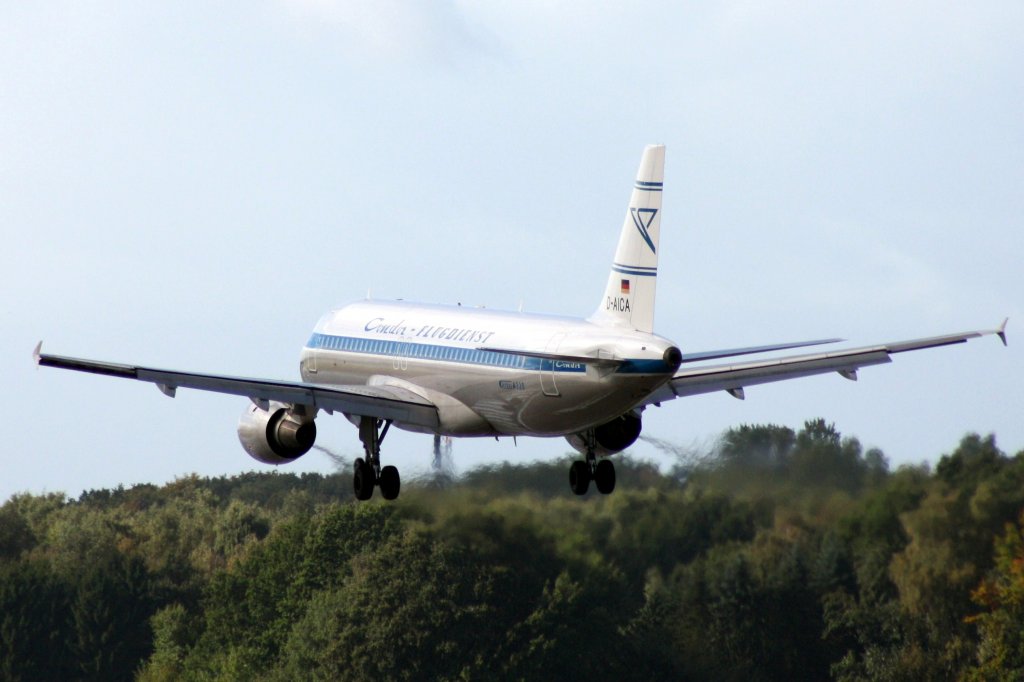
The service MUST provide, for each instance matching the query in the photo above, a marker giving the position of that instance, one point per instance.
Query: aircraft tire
(362, 480)
(390, 482)
(579, 477)
(604, 477)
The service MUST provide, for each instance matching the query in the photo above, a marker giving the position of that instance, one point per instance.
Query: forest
(778, 554)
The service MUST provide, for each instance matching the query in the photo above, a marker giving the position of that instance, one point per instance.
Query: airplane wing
(383, 402)
(733, 378)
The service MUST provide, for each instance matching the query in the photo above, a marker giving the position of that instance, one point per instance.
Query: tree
(250, 608)
(16, 535)
(757, 446)
(976, 458)
(821, 457)
(35, 628)
(417, 608)
(1000, 652)
(173, 635)
(110, 610)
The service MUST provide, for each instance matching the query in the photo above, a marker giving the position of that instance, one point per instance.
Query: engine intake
(610, 437)
(275, 436)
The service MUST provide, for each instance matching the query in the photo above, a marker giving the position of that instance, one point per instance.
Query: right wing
(733, 378)
(383, 402)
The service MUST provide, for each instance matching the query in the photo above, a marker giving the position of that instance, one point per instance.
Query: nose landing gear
(368, 472)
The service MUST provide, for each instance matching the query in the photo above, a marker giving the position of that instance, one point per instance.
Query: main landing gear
(582, 472)
(368, 472)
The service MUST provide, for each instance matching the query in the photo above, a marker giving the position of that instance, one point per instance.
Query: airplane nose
(673, 357)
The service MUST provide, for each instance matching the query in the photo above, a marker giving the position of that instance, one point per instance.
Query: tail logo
(642, 218)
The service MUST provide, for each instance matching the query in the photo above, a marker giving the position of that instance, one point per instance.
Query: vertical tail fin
(629, 296)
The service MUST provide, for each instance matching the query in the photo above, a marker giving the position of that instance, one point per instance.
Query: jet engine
(610, 437)
(276, 435)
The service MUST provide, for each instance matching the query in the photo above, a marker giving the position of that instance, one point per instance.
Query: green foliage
(251, 607)
(1000, 652)
(782, 554)
(657, 530)
(90, 624)
(16, 535)
(110, 611)
(172, 638)
(34, 623)
(757, 447)
(417, 608)
(813, 465)
(823, 458)
(973, 461)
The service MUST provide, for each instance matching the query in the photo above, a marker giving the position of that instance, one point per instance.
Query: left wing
(733, 378)
(383, 402)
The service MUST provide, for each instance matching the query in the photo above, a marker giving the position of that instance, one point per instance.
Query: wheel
(604, 477)
(390, 483)
(362, 480)
(579, 477)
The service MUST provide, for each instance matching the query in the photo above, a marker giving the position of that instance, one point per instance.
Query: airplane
(470, 372)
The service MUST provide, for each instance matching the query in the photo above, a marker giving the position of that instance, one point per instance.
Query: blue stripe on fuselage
(469, 356)
(427, 351)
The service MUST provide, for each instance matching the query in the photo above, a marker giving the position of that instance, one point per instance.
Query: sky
(191, 185)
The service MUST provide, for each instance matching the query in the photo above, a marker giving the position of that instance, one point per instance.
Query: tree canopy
(781, 554)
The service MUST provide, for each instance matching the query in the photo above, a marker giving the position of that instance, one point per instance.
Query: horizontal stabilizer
(733, 352)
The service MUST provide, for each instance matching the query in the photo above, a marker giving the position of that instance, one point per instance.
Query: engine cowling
(274, 436)
(610, 437)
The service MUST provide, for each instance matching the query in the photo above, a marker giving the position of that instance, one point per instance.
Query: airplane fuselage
(490, 373)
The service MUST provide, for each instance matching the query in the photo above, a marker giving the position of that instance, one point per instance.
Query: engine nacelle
(610, 437)
(274, 436)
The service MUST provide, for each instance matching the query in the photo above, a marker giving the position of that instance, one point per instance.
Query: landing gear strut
(582, 472)
(368, 472)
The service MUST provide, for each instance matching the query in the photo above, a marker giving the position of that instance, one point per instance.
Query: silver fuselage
(475, 365)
